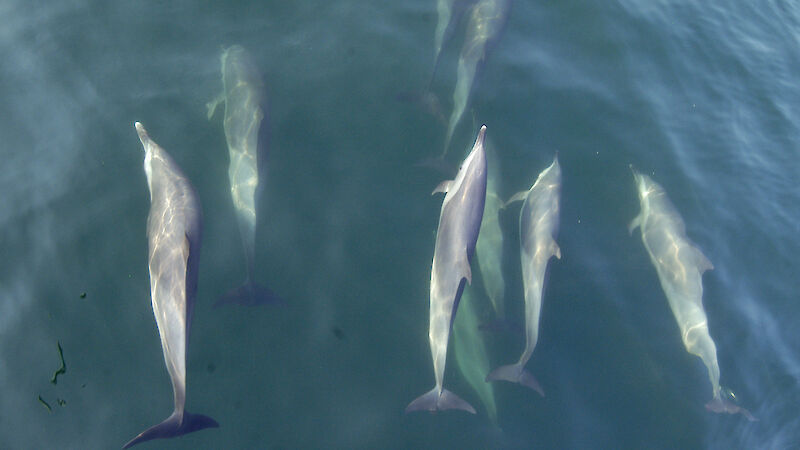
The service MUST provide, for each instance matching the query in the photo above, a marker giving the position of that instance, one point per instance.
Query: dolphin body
(538, 227)
(470, 353)
(174, 232)
(459, 224)
(449, 13)
(243, 92)
(486, 19)
(444, 9)
(489, 249)
(680, 266)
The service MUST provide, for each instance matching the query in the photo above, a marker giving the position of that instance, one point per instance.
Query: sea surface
(701, 96)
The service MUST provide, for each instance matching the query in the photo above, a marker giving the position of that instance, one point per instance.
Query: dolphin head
(645, 185)
(476, 161)
(143, 136)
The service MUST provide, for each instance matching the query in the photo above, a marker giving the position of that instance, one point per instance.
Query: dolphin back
(174, 425)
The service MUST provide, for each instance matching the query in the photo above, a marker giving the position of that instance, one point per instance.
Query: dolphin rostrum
(680, 266)
(459, 224)
(174, 232)
(486, 19)
(538, 227)
(243, 92)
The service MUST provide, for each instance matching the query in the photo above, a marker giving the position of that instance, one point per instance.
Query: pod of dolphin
(470, 209)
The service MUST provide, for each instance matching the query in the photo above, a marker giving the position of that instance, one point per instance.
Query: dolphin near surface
(538, 227)
(174, 232)
(243, 92)
(486, 19)
(680, 266)
(459, 225)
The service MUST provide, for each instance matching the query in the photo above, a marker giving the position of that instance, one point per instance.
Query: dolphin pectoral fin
(434, 401)
(515, 374)
(556, 250)
(719, 405)
(250, 294)
(174, 425)
(466, 269)
(212, 105)
(703, 263)
(637, 221)
(186, 249)
(442, 187)
(519, 196)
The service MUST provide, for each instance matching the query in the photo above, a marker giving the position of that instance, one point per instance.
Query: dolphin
(487, 18)
(444, 9)
(243, 92)
(470, 352)
(538, 227)
(174, 232)
(680, 266)
(489, 249)
(459, 224)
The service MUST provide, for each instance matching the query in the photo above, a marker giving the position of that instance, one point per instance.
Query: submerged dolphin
(680, 266)
(459, 224)
(243, 92)
(470, 352)
(489, 249)
(444, 9)
(174, 231)
(538, 227)
(487, 18)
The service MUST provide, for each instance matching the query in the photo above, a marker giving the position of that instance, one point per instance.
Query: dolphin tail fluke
(250, 294)
(174, 425)
(720, 405)
(515, 374)
(435, 401)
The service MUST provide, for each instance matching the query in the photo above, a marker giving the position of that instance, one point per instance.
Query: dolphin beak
(481, 135)
(142, 132)
(633, 170)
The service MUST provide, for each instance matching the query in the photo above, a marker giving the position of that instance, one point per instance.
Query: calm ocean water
(701, 96)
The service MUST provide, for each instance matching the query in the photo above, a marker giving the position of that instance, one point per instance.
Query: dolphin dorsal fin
(442, 187)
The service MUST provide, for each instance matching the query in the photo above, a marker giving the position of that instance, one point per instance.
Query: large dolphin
(459, 224)
(489, 249)
(243, 93)
(486, 19)
(538, 227)
(680, 266)
(470, 353)
(174, 231)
